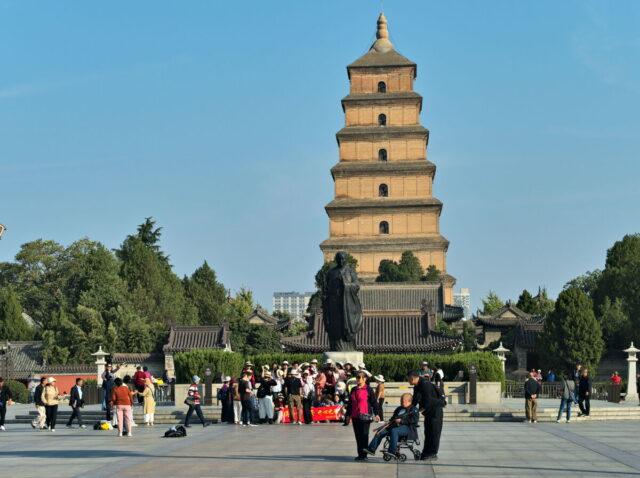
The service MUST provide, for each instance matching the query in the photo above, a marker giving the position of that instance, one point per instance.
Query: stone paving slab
(600, 449)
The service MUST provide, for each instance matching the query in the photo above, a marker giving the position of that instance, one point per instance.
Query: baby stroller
(405, 443)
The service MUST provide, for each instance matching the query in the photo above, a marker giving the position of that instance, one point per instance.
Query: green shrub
(18, 390)
(393, 366)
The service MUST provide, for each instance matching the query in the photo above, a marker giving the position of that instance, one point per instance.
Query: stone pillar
(100, 363)
(632, 393)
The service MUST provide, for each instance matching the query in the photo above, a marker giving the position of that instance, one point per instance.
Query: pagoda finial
(382, 44)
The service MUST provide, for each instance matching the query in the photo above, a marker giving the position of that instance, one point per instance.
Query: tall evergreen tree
(433, 274)
(12, 325)
(571, 333)
(410, 268)
(526, 303)
(207, 294)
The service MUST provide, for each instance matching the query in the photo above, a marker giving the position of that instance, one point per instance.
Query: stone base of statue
(353, 356)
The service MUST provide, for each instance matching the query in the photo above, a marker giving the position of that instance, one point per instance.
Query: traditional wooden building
(383, 202)
(260, 317)
(397, 318)
(521, 328)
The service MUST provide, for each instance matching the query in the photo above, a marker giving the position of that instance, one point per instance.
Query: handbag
(189, 401)
(365, 417)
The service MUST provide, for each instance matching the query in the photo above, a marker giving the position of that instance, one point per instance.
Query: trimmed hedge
(18, 390)
(393, 367)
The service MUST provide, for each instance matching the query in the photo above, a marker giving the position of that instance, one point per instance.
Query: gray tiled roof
(184, 338)
(496, 318)
(407, 296)
(375, 59)
(263, 316)
(380, 333)
(25, 358)
(136, 358)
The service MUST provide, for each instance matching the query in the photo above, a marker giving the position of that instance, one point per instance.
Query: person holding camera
(76, 403)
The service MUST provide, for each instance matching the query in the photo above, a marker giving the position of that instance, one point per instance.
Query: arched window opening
(382, 87)
(383, 191)
(382, 155)
(382, 120)
(384, 227)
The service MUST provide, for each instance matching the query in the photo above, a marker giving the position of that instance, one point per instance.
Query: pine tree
(207, 294)
(432, 275)
(571, 333)
(526, 303)
(410, 268)
(12, 325)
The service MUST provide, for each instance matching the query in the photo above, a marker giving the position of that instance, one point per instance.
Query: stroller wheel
(416, 455)
(402, 457)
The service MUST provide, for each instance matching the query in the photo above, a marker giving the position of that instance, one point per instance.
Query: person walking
(379, 379)
(293, 392)
(41, 419)
(584, 393)
(51, 398)
(6, 399)
(193, 401)
(430, 401)
(566, 398)
(76, 402)
(531, 392)
(122, 400)
(362, 409)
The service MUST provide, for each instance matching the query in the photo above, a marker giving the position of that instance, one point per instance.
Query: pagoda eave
(387, 244)
(346, 169)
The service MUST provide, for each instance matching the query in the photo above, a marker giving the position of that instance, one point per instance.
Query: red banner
(318, 414)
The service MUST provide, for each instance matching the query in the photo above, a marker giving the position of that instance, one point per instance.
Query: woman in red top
(122, 399)
(616, 379)
(362, 410)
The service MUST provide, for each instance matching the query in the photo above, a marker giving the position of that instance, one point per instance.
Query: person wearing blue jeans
(403, 423)
(566, 399)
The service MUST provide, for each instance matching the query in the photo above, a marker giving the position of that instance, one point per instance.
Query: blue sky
(218, 119)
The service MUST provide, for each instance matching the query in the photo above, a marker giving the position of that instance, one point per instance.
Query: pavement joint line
(628, 459)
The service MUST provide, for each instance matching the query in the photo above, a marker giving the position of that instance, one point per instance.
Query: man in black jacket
(430, 401)
(5, 401)
(76, 403)
(531, 391)
(41, 419)
(402, 423)
(584, 393)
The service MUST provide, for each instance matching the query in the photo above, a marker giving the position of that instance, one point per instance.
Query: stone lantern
(501, 352)
(632, 393)
(100, 363)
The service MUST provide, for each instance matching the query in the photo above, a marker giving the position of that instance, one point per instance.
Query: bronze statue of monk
(341, 309)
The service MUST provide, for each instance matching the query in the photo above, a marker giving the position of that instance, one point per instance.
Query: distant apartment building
(463, 299)
(294, 303)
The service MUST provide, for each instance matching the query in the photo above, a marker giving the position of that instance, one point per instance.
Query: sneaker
(534, 421)
(361, 458)
(83, 426)
(369, 451)
(205, 424)
(244, 424)
(558, 420)
(252, 425)
(2, 429)
(33, 425)
(53, 429)
(119, 434)
(568, 421)
(429, 458)
(129, 434)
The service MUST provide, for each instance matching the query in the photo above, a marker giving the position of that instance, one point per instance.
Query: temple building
(383, 202)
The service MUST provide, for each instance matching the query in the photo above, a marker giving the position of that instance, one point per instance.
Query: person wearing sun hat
(248, 368)
(51, 399)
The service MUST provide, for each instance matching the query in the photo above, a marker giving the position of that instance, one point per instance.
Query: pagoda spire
(382, 44)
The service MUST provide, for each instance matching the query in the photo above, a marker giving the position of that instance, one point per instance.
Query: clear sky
(218, 119)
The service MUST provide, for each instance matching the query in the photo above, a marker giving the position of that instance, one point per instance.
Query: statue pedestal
(353, 356)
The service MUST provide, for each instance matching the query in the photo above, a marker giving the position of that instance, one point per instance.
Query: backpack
(176, 432)
(223, 394)
(440, 394)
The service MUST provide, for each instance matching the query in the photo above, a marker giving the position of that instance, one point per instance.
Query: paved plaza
(468, 449)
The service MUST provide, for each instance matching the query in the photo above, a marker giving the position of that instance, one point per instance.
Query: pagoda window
(384, 227)
(382, 120)
(382, 155)
(383, 191)
(382, 87)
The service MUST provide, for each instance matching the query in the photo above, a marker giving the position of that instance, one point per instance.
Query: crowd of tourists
(291, 392)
